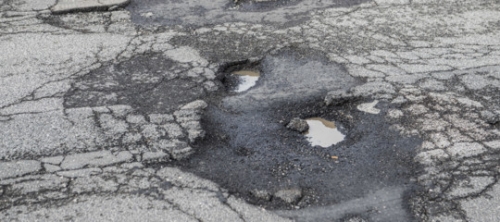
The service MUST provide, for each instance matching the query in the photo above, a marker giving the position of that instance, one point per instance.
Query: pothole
(250, 150)
(255, 156)
(246, 79)
(322, 132)
(241, 76)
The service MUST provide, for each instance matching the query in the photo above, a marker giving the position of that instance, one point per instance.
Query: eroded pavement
(114, 112)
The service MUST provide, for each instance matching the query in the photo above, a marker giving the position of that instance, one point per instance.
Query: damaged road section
(250, 151)
(94, 113)
(101, 186)
(149, 83)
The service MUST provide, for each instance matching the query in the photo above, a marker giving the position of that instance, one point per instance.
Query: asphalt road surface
(128, 110)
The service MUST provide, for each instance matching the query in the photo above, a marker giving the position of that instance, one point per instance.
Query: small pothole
(241, 76)
(322, 132)
(246, 79)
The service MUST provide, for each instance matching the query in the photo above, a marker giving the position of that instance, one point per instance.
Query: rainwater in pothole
(246, 79)
(322, 132)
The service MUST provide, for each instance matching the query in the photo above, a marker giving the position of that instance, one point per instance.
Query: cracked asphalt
(115, 110)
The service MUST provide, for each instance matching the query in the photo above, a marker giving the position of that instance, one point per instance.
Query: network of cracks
(252, 149)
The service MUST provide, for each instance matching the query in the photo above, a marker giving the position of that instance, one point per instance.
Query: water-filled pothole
(241, 76)
(246, 79)
(322, 132)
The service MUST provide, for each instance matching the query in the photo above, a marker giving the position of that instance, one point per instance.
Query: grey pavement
(102, 104)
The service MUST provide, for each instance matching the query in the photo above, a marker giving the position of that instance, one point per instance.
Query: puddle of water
(247, 79)
(322, 132)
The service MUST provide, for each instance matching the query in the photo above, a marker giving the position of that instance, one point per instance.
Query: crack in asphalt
(391, 47)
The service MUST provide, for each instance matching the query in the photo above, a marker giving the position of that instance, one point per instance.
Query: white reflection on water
(247, 79)
(323, 133)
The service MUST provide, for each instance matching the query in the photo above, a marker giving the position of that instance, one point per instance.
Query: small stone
(261, 194)
(298, 125)
(289, 195)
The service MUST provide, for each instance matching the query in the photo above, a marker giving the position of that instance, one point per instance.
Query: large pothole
(250, 151)
(254, 151)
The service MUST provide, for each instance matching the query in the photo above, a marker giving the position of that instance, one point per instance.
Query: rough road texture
(73, 143)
